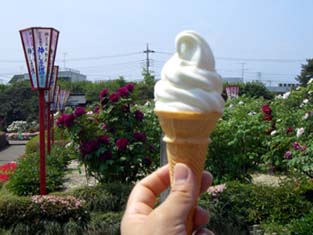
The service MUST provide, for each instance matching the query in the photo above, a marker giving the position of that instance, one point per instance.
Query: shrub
(242, 205)
(60, 209)
(113, 139)
(302, 226)
(41, 214)
(238, 140)
(26, 180)
(105, 223)
(3, 141)
(104, 198)
(14, 209)
(292, 144)
(33, 146)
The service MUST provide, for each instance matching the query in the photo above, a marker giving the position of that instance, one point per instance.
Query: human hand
(169, 218)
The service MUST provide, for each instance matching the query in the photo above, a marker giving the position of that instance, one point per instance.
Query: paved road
(11, 153)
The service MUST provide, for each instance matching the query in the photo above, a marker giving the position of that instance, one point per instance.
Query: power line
(278, 60)
(103, 57)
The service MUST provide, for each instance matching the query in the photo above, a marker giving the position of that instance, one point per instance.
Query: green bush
(3, 141)
(104, 198)
(292, 144)
(238, 140)
(105, 223)
(113, 140)
(35, 213)
(15, 209)
(242, 205)
(302, 226)
(26, 179)
(33, 146)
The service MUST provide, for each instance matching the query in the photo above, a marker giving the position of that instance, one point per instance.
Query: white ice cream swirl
(188, 79)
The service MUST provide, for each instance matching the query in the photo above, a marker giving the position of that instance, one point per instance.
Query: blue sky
(271, 37)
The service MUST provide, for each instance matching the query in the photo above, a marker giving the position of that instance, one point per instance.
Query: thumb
(183, 194)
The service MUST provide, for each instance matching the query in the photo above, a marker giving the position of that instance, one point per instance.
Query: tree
(255, 89)
(148, 77)
(18, 102)
(306, 73)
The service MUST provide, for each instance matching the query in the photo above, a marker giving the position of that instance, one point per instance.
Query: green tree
(255, 89)
(306, 73)
(148, 77)
(18, 102)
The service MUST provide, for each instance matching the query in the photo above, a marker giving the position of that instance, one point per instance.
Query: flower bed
(6, 170)
(21, 136)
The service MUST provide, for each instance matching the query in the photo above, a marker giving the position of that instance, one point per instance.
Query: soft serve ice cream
(188, 106)
(189, 81)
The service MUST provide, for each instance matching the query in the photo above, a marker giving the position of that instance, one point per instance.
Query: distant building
(72, 75)
(282, 87)
(65, 73)
(233, 79)
(76, 100)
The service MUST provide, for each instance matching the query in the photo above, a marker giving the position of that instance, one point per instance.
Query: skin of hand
(169, 218)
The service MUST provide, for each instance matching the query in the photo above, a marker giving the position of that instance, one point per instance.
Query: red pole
(49, 128)
(52, 127)
(42, 142)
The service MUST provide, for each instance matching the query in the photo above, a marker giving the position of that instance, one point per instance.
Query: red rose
(114, 97)
(79, 111)
(68, 119)
(266, 109)
(104, 139)
(139, 115)
(123, 91)
(122, 143)
(88, 147)
(103, 93)
(130, 87)
(139, 136)
(289, 130)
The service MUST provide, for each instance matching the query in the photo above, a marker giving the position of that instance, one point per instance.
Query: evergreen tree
(306, 73)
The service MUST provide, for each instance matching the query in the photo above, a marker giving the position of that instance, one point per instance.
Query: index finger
(143, 196)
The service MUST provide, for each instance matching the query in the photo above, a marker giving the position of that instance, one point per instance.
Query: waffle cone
(187, 138)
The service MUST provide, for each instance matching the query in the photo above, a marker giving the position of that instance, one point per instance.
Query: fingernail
(181, 173)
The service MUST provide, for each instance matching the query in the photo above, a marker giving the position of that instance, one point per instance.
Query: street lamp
(49, 96)
(40, 45)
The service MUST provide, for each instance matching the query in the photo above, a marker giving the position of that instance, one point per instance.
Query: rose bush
(291, 144)
(238, 142)
(114, 139)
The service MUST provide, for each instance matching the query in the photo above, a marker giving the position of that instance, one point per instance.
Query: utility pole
(64, 60)
(243, 71)
(147, 51)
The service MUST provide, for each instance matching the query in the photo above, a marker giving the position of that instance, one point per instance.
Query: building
(282, 87)
(72, 75)
(77, 99)
(233, 79)
(65, 73)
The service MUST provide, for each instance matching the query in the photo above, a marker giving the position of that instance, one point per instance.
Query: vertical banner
(53, 47)
(232, 91)
(63, 97)
(55, 104)
(53, 82)
(28, 46)
(42, 43)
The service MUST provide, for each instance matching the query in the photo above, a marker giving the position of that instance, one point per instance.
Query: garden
(116, 141)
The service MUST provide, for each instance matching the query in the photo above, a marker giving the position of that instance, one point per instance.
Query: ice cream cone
(187, 138)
